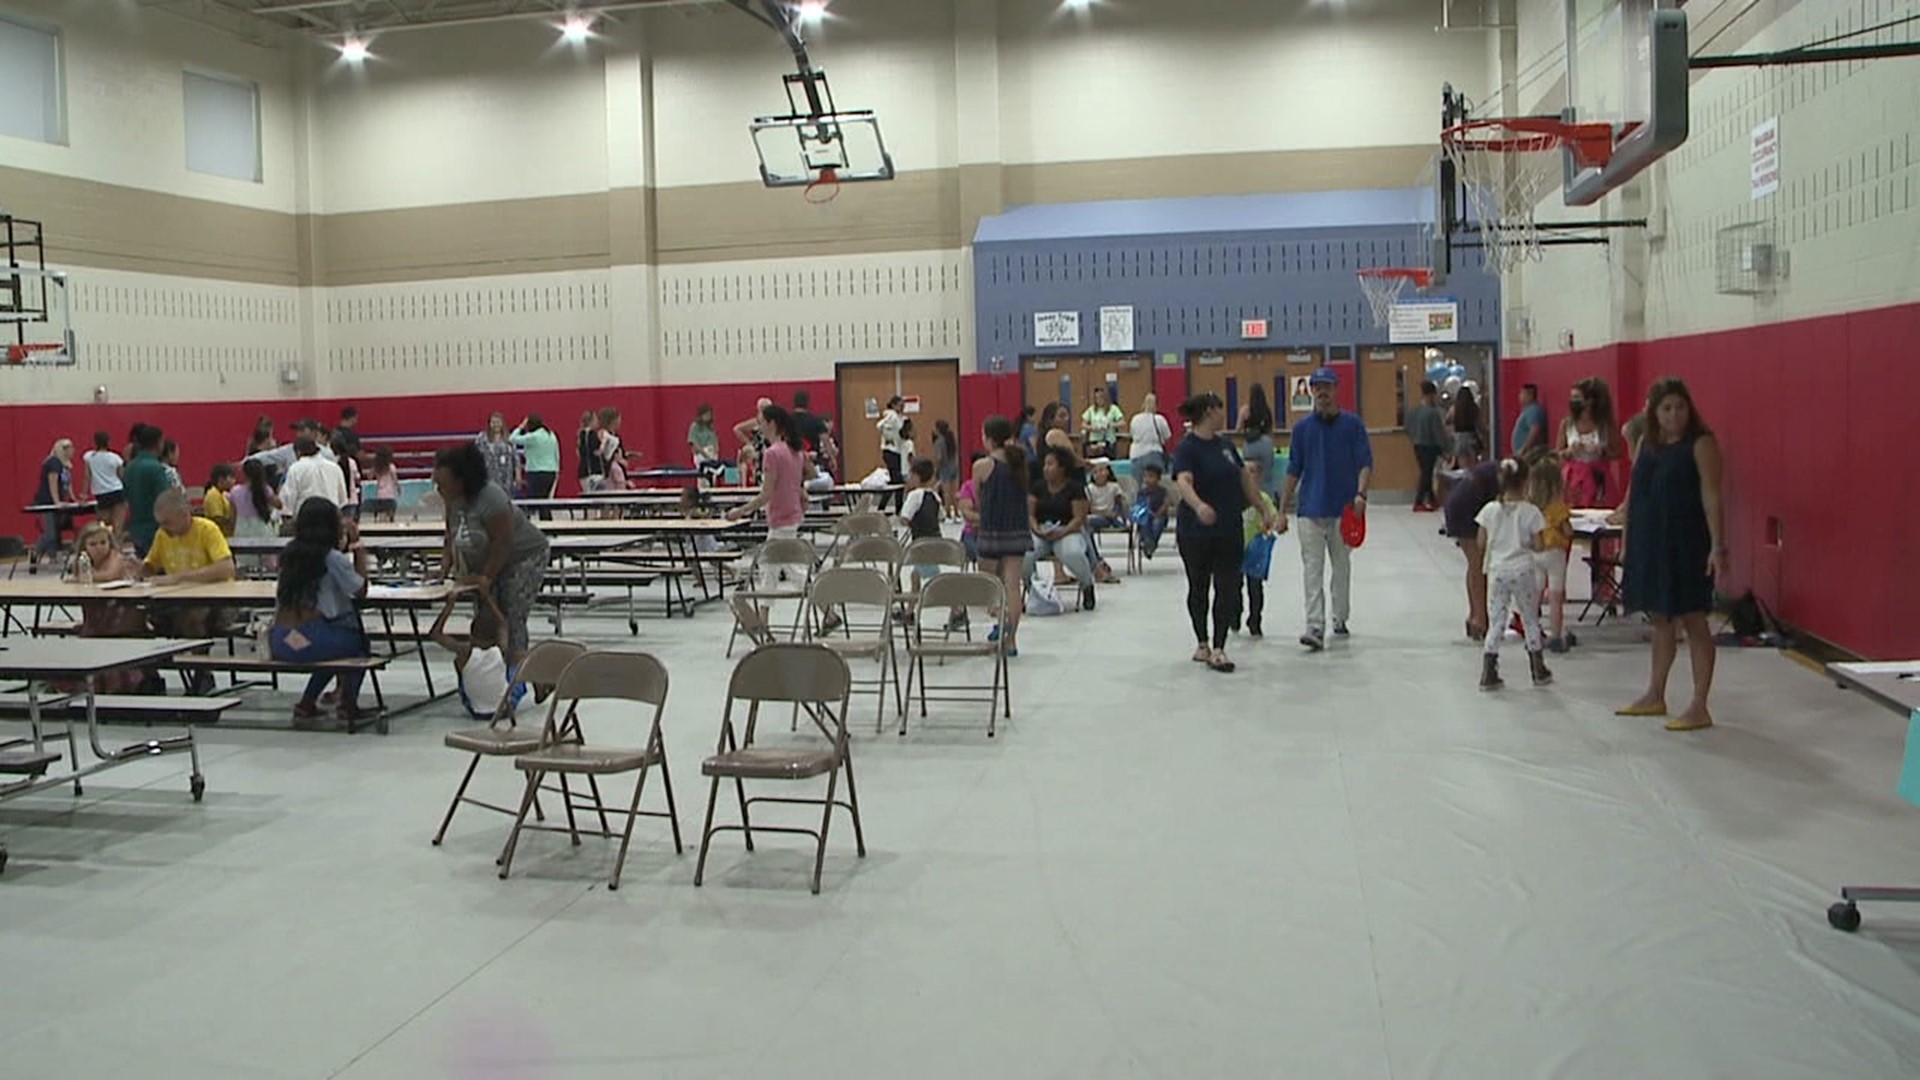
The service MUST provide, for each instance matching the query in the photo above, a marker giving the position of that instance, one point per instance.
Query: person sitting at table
(56, 486)
(97, 558)
(186, 550)
(214, 504)
(322, 572)
(490, 544)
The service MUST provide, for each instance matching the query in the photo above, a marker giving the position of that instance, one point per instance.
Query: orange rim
(1592, 144)
(825, 187)
(1420, 277)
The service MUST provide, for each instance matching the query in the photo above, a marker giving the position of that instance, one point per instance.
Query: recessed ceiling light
(811, 11)
(353, 50)
(1077, 5)
(577, 29)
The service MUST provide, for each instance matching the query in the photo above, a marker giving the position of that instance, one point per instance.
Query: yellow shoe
(1641, 710)
(1687, 722)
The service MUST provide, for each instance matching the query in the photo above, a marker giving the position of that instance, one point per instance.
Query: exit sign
(1253, 329)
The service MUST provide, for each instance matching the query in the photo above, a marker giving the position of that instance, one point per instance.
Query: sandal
(1203, 655)
(1218, 661)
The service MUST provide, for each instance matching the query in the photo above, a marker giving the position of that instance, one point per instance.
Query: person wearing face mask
(1330, 461)
(1587, 442)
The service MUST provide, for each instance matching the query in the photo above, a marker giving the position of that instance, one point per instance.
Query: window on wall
(223, 127)
(30, 99)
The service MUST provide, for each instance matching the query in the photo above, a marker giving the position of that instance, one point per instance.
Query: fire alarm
(1566, 340)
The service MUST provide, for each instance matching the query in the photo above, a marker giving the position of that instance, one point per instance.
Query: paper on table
(120, 583)
(1910, 771)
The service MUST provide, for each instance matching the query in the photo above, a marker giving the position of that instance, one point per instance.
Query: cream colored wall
(1845, 213)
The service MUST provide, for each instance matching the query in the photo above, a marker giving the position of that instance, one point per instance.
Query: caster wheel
(78, 791)
(1844, 915)
(199, 787)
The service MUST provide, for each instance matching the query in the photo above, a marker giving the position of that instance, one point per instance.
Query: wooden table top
(66, 658)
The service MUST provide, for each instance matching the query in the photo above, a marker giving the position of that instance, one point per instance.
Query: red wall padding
(1815, 420)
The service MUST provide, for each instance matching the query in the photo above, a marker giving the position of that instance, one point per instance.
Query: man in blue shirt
(1530, 430)
(1330, 461)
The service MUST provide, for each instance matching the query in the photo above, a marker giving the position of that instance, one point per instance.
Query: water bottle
(85, 571)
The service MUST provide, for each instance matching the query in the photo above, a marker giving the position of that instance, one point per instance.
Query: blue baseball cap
(1324, 376)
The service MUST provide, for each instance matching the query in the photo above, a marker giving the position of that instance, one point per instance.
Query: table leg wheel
(381, 726)
(78, 790)
(1844, 915)
(197, 785)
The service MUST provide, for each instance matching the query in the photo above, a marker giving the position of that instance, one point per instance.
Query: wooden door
(932, 392)
(1128, 378)
(1234, 374)
(1389, 385)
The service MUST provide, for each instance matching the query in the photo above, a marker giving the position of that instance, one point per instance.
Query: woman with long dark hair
(1464, 420)
(1215, 489)
(1004, 536)
(1588, 443)
(1256, 426)
(783, 475)
(322, 573)
(490, 544)
(1676, 547)
(892, 445)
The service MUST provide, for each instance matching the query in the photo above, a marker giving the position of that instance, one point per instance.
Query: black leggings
(1429, 457)
(896, 474)
(1213, 561)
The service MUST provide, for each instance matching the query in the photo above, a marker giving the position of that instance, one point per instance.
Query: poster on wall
(1423, 321)
(1056, 329)
(1299, 393)
(1116, 329)
(1765, 158)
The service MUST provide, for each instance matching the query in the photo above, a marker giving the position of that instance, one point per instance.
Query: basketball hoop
(51, 354)
(1508, 165)
(824, 188)
(1383, 286)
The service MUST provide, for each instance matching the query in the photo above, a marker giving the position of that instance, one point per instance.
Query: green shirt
(1102, 424)
(703, 439)
(145, 479)
(542, 449)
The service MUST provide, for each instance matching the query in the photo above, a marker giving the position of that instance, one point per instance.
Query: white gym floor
(1344, 865)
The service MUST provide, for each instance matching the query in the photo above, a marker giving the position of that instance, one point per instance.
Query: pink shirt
(966, 495)
(781, 474)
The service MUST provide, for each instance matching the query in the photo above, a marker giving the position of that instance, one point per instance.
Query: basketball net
(823, 189)
(1506, 167)
(1384, 287)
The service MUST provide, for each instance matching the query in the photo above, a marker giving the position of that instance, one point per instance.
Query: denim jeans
(1071, 550)
(325, 640)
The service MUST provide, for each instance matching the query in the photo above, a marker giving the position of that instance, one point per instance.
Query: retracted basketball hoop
(1506, 166)
(1384, 286)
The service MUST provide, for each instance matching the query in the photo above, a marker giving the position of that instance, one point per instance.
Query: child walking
(1510, 529)
(1253, 522)
(1546, 490)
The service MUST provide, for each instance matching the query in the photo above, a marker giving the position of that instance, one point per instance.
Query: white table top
(1894, 683)
(63, 658)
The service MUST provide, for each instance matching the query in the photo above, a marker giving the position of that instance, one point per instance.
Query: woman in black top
(1215, 489)
(1003, 538)
(592, 470)
(56, 486)
(1676, 546)
(1057, 513)
(1465, 417)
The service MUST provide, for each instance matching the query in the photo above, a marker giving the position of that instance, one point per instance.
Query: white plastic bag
(1043, 599)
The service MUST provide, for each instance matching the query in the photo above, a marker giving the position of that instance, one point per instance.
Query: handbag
(1258, 560)
(1043, 599)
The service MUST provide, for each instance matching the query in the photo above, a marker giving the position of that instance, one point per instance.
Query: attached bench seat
(266, 665)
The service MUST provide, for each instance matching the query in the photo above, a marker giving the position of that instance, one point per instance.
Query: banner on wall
(1424, 321)
(1765, 159)
(1056, 329)
(1116, 329)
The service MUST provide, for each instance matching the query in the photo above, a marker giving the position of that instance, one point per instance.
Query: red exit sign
(1253, 329)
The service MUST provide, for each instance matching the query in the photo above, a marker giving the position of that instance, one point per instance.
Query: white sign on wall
(1766, 158)
(1116, 329)
(1425, 320)
(1056, 329)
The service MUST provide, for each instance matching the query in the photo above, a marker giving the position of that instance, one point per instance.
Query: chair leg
(746, 827)
(459, 794)
(626, 835)
(853, 804)
(513, 838)
(566, 796)
(893, 661)
(993, 698)
(606, 829)
(826, 821)
(706, 834)
(673, 812)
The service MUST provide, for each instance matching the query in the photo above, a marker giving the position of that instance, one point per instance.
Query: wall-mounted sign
(1116, 329)
(1381, 354)
(1425, 320)
(1253, 329)
(1211, 360)
(1169, 359)
(1765, 159)
(1056, 329)
(1045, 365)
(910, 403)
(1132, 363)
(1301, 391)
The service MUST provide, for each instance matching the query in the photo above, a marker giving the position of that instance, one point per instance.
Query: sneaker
(200, 684)
(1339, 629)
(1313, 641)
(1556, 645)
(1089, 599)
(830, 622)
(957, 623)
(994, 634)
(1253, 630)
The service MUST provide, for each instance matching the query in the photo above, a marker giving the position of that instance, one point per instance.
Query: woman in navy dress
(1676, 546)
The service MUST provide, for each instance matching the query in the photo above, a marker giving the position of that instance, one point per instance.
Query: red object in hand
(1353, 528)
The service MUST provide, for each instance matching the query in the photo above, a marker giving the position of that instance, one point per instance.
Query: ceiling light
(1077, 5)
(577, 29)
(353, 50)
(812, 11)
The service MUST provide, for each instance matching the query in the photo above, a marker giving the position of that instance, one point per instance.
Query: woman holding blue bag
(1216, 492)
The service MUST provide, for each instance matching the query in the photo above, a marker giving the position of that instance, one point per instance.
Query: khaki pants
(1320, 543)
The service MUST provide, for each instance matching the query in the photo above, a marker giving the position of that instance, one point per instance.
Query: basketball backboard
(815, 140)
(1626, 67)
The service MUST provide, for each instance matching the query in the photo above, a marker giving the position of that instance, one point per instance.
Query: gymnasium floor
(1347, 865)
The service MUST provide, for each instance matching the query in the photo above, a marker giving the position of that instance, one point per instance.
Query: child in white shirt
(1510, 534)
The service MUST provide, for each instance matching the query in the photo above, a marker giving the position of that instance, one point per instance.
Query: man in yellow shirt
(186, 550)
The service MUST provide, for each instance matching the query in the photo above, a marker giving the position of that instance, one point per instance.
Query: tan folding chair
(970, 592)
(784, 556)
(504, 736)
(943, 555)
(599, 676)
(843, 588)
(808, 676)
(862, 522)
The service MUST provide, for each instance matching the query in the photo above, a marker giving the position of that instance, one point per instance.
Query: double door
(931, 389)
(1071, 380)
(1280, 373)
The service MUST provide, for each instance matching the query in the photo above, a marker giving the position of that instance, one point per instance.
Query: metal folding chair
(844, 588)
(503, 736)
(970, 592)
(784, 557)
